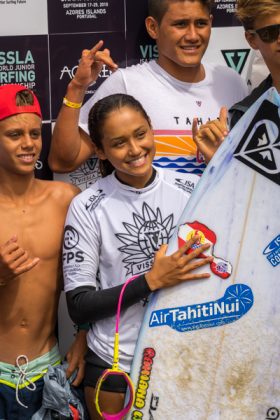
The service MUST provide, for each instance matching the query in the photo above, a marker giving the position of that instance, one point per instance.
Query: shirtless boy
(32, 214)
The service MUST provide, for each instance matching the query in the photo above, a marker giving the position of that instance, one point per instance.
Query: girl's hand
(178, 267)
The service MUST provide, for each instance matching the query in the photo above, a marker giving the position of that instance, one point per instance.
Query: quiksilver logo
(272, 251)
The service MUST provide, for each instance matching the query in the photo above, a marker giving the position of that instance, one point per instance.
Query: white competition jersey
(112, 231)
(172, 104)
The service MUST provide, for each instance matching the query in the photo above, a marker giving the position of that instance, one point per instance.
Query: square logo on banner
(23, 17)
(65, 52)
(68, 16)
(24, 60)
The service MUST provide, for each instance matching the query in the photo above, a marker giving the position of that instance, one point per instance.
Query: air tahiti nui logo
(144, 238)
(236, 302)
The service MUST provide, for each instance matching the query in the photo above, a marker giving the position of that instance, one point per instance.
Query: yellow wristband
(70, 104)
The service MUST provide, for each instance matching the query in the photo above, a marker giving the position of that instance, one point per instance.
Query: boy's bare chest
(39, 229)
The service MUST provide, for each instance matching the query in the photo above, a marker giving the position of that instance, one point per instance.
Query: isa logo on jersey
(272, 251)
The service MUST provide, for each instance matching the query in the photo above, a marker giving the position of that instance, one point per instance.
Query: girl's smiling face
(128, 144)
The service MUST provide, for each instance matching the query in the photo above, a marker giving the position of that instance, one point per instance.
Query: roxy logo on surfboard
(219, 266)
(259, 148)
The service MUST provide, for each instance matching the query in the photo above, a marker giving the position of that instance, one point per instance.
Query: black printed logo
(94, 200)
(259, 148)
(87, 174)
(236, 59)
(187, 186)
(144, 238)
(272, 413)
(71, 237)
(153, 406)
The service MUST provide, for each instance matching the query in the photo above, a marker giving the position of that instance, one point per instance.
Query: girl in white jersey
(117, 228)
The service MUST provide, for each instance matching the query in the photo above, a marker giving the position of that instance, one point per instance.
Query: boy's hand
(210, 136)
(91, 64)
(14, 261)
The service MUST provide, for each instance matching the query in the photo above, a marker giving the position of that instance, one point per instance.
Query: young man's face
(182, 38)
(269, 50)
(20, 143)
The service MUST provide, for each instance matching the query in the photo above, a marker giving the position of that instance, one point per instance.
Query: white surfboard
(210, 349)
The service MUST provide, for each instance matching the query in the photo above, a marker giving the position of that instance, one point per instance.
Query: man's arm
(70, 145)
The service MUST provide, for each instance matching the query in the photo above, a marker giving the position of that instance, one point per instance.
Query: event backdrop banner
(86, 16)
(41, 43)
(65, 60)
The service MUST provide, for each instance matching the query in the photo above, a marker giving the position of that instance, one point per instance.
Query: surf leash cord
(115, 370)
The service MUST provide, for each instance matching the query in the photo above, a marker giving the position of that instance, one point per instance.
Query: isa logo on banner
(272, 251)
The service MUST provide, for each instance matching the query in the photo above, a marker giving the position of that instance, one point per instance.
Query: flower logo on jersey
(144, 238)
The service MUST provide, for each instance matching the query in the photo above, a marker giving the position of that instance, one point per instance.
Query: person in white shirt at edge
(261, 22)
(120, 227)
(174, 89)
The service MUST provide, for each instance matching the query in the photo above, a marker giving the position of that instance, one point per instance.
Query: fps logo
(71, 240)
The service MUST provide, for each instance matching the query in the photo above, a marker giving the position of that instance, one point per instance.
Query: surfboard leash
(115, 370)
